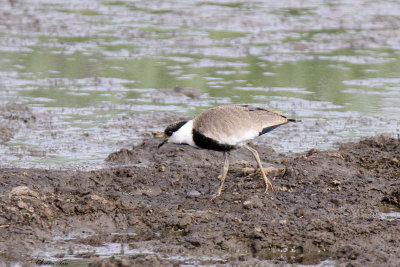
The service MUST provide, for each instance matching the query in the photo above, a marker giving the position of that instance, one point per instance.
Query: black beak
(162, 143)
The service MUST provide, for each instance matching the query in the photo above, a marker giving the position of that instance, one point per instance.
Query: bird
(226, 128)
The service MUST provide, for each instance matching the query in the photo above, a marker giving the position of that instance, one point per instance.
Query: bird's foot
(214, 197)
(264, 173)
(268, 184)
(219, 192)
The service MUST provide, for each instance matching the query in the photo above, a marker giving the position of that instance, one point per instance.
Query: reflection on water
(100, 75)
(58, 250)
(389, 212)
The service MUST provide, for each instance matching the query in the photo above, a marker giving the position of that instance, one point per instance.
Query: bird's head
(170, 130)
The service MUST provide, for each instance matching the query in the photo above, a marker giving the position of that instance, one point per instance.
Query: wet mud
(326, 206)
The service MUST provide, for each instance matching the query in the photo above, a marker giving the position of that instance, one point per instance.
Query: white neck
(184, 135)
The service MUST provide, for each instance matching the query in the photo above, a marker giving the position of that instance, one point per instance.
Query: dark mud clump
(12, 117)
(18, 112)
(326, 206)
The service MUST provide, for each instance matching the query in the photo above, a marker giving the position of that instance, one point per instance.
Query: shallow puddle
(71, 250)
(390, 212)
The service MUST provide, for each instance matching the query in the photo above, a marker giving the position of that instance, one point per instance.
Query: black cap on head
(170, 130)
(173, 127)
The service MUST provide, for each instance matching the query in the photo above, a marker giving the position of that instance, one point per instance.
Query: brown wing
(233, 124)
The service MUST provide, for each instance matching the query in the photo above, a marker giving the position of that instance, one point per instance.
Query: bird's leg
(257, 157)
(224, 173)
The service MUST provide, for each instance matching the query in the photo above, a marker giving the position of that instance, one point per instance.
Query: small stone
(152, 191)
(99, 199)
(254, 202)
(283, 222)
(246, 171)
(312, 151)
(336, 182)
(194, 193)
(248, 204)
(285, 161)
(335, 155)
(157, 134)
(23, 191)
(274, 172)
(238, 219)
(22, 205)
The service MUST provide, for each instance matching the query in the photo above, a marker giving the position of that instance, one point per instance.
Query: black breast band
(205, 142)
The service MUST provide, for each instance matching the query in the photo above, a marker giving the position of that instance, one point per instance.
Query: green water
(314, 80)
(107, 69)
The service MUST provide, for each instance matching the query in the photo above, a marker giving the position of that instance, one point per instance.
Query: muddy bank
(156, 205)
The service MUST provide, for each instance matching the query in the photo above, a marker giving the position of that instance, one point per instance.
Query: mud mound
(383, 158)
(327, 205)
(148, 152)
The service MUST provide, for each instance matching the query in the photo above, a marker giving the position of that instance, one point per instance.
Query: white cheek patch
(184, 135)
